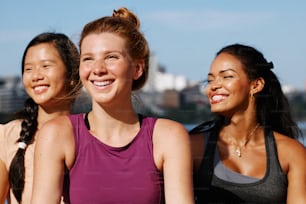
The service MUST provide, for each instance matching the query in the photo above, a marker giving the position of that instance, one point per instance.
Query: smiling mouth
(40, 88)
(102, 83)
(217, 98)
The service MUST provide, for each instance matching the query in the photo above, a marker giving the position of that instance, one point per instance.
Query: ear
(139, 69)
(257, 85)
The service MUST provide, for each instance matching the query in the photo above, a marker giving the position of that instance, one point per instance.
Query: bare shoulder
(57, 134)
(9, 134)
(12, 123)
(170, 129)
(170, 136)
(11, 128)
(288, 143)
(290, 148)
(56, 131)
(171, 142)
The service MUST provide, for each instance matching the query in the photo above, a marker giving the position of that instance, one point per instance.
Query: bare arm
(52, 145)
(4, 184)
(296, 172)
(172, 143)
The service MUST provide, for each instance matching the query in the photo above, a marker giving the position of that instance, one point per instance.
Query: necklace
(246, 140)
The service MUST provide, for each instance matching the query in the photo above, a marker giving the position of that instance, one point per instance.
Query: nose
(37, 74)
(214, 84)
(99, 67)
(212, 87)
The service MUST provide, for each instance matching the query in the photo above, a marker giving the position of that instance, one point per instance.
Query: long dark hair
(70, 56)
(272, 107)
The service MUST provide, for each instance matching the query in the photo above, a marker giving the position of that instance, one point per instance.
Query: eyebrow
(222, 71)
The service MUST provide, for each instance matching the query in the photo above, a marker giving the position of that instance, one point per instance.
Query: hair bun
(127, 15)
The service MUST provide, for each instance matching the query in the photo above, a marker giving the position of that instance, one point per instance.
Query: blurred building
(159, 80)
(12, 94)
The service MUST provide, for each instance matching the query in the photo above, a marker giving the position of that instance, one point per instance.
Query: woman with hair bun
(51, 79)
(113, 154)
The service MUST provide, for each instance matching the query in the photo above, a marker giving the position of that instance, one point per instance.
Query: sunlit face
(228, 87)
(106, 68)
(44, 74)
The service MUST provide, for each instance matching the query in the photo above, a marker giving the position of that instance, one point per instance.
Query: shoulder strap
(204, 176)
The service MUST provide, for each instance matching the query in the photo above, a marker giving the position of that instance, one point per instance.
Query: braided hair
(28, 129)
(70, 56)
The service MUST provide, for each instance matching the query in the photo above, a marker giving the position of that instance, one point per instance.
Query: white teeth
(102, 83)
(217, 97)
(40, 88)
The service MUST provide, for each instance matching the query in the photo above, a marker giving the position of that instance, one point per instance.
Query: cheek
(62, 79)
(26, 81)
(58, 76)
(83, 73)
(237, 86)
(242, 87)
(206, 90)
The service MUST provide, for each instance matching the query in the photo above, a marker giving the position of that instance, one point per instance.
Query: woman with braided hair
(50, 77)
(113, 154)
(249, 153)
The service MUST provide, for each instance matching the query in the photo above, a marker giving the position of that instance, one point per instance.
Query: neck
(246, 139)
(239, 144)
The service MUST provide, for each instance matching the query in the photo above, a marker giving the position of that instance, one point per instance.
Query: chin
(219, 110)
(216, 108)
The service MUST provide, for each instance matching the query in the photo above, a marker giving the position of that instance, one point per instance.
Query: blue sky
(184, 35)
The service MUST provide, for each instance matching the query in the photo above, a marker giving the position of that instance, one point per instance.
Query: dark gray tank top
(224, 173)
(272, 188)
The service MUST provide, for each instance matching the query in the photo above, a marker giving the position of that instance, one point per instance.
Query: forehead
(43, 51)
(43, 47)
(103, 40)
(224, 62)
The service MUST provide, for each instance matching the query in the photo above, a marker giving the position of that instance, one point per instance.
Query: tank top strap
(273, 164)
(74, 119)
(203, 178)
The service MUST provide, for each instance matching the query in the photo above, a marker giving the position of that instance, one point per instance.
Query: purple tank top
(105, 174)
